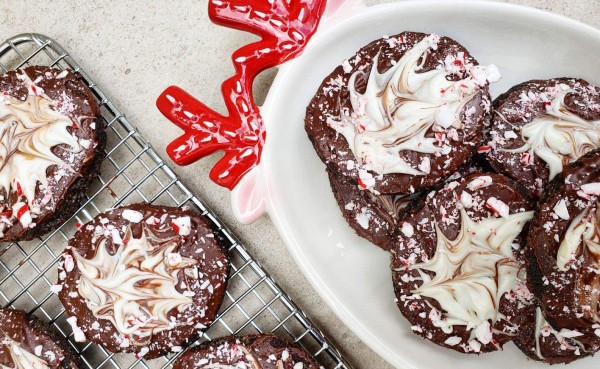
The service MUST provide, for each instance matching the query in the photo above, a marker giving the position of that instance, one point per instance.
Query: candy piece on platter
(402, 114)
(259, 351)
(459, 274)
(541, 125)
(51, 146)
(27, 342)
(565, 239)
(145, 279)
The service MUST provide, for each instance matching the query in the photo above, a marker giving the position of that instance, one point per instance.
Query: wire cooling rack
(134, 172)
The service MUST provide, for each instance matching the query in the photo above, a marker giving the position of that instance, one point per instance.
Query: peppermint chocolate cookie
(402, 114)
(257, 351)
(142, 278)
(541, 342)
(28, 342)
(51, 145)
(541, 125)
(376, 217)
(565, 239)
(458, 266)
(373, 217)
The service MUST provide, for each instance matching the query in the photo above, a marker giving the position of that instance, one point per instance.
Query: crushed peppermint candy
(466, 199)
(69, 263)
(407, 229)
(22, 213)
(38, 350)
(591, 188)
(182, 225)
(77, 332)
(498, 206)
(132, 215)
(479, 183)
(362, 217)
(453, 341)
(560, 209)
(366, 179)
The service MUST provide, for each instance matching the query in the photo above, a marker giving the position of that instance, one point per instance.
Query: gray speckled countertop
(136, 48)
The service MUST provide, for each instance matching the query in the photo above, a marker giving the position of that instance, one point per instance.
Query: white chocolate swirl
(135, 287)
(584, 230)
(22, 358)
(402, 105)
(473, 271)
(28, 131)
(559, 137)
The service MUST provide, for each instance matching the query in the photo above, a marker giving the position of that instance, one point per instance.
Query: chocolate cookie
(541, 125)
(258, 351)
(458, 265)
(541, 342)
(376, 217)
(565, 239)
(51, 145)
(28, 342)
(402, 114)
(143, 278)
(373, 217)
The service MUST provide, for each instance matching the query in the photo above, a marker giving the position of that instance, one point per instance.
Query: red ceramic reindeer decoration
(284, 27)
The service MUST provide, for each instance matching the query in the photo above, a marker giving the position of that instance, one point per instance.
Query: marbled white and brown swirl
(541, 125)
(401, 115)
(51, 146)
(458, 265)
(565, 239)
(143, 278)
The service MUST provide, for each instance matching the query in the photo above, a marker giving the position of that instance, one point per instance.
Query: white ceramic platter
(350, 274)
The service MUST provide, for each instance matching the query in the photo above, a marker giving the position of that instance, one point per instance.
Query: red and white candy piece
(484, 149)
(498, 206)
(407, 229)
(69, 263)
(466, 199)
(182, 226)
(365, 179)
(153, 221)
(22, 213)
(479, 183)
(173, 259)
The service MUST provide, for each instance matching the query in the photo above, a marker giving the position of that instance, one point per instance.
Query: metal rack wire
(134, 172)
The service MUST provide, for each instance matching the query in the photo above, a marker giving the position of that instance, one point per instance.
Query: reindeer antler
(284, 28)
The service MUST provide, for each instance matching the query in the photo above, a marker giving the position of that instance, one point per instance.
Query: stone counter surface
(136, 48)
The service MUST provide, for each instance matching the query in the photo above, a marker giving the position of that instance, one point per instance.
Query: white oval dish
(349, 273)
